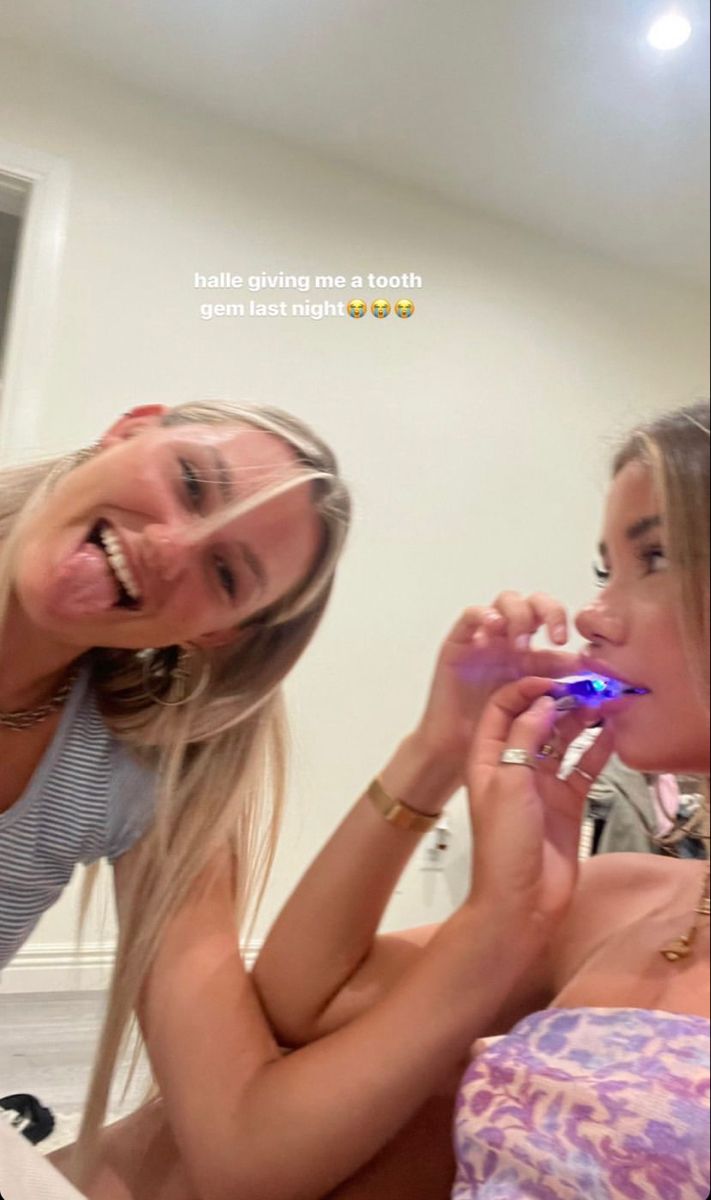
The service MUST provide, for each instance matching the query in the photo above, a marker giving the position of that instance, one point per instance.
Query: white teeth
(117, 562)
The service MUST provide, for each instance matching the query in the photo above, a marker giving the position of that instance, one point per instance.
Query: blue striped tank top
(87, 799)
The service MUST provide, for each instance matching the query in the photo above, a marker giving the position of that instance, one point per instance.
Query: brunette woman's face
(634, 633)
(112, 558)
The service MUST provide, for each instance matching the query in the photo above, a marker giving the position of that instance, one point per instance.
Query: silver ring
(518, 758)
(583, 774)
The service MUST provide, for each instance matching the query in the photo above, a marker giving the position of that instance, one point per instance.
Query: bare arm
(613, 890)
(292, 1128)
(321, 964)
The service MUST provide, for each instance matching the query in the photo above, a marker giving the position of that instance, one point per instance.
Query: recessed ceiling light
(669, 31)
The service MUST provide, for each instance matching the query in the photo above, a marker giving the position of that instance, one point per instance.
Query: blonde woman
(602, 1089)
(154, 592)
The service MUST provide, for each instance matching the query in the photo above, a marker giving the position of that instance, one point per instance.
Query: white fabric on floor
(26, 1175)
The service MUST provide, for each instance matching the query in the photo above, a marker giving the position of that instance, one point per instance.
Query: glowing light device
(591, 690)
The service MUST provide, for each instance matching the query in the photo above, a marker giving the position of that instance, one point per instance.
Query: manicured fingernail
(560, 633)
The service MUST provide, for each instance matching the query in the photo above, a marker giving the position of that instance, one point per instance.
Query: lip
(597, 667)
(133, 567)
(137, 573)
(614, 708)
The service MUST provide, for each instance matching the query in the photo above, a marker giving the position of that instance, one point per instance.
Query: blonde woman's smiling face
(124, 552)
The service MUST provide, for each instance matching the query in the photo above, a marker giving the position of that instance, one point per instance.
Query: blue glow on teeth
(591, 690)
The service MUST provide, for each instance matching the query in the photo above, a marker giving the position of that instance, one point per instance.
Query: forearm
(326, 930)
(293, 1128)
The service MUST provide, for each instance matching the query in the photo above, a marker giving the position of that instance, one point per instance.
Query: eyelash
(647, 554)
(227, 577)
(194, 488)
(195, 492)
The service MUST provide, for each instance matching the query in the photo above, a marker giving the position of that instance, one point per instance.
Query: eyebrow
(229, 494)
(637, 530)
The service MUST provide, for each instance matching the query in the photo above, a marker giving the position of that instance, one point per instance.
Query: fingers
(525, 615)
(527, 733)
(566, 729)
(551, 613)
(508, 625)
(530, 731)
(520, 620)
(473, 620)
(583, 775)
(505, 707)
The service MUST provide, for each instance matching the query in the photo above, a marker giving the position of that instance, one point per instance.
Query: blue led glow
(590, 690)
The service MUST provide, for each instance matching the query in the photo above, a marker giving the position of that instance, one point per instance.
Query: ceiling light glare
(669, 31)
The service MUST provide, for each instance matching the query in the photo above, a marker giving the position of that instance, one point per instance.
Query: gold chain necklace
(30, 717)
(683, 946)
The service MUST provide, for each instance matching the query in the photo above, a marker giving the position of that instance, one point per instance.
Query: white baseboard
(66, 967)
(59, 967)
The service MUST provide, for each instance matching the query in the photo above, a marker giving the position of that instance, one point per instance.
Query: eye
(226, 576)
(602, 575)
(654, 558)
(194, 488)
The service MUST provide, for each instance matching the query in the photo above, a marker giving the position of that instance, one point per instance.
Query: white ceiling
(553, 113)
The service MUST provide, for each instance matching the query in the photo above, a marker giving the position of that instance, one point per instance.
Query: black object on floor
(33, 1120)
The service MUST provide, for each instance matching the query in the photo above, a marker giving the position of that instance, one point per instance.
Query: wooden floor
(46, 1046)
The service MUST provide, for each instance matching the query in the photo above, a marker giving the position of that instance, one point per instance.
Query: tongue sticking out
(85, 584)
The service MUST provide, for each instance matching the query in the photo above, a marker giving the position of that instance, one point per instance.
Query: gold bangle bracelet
(397, 813)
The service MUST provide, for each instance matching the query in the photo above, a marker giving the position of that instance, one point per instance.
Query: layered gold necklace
(683, 946)
(28, 718)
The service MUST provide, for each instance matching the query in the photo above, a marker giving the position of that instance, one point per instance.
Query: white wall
(475, 434)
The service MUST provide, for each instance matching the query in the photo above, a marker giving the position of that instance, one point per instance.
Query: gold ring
(549, 751)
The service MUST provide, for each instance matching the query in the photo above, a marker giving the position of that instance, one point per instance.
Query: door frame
(34, 303)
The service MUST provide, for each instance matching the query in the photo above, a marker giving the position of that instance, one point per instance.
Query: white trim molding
(59, 967)
(35, 300)
(66, 967)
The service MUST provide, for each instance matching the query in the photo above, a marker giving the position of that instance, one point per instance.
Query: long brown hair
(675, 447)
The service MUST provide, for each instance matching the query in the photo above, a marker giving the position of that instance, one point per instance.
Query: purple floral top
(587, 1104)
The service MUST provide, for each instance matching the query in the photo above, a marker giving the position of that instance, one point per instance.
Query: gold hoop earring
(166, 674)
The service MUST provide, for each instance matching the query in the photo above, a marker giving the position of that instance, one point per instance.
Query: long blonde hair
(675, 447)
(220, 761)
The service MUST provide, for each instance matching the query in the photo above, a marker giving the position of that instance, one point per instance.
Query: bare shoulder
(614, 891)
(636, 875)
(625, 871)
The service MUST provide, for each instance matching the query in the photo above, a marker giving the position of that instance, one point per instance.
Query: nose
(165, 551)
(597, 623)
